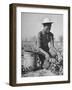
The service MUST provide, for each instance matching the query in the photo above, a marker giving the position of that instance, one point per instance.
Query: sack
(28, 62)
(53, 52)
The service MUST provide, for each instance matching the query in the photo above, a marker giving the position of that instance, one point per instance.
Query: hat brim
(48, 23)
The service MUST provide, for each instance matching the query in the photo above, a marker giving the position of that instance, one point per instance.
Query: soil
(42, 72)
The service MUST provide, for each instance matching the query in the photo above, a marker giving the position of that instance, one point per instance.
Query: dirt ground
(42, 72)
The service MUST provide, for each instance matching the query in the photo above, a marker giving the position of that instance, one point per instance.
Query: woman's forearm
(42, 51)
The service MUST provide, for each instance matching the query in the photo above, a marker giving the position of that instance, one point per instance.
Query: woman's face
(47, 28)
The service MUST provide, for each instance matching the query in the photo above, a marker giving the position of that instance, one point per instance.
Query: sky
(31, 24)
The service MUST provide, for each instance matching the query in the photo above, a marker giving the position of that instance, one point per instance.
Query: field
(31, 63)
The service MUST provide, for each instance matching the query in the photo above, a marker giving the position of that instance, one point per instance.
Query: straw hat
(46, 20)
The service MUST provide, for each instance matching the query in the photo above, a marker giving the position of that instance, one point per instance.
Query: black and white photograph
(41, 44)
